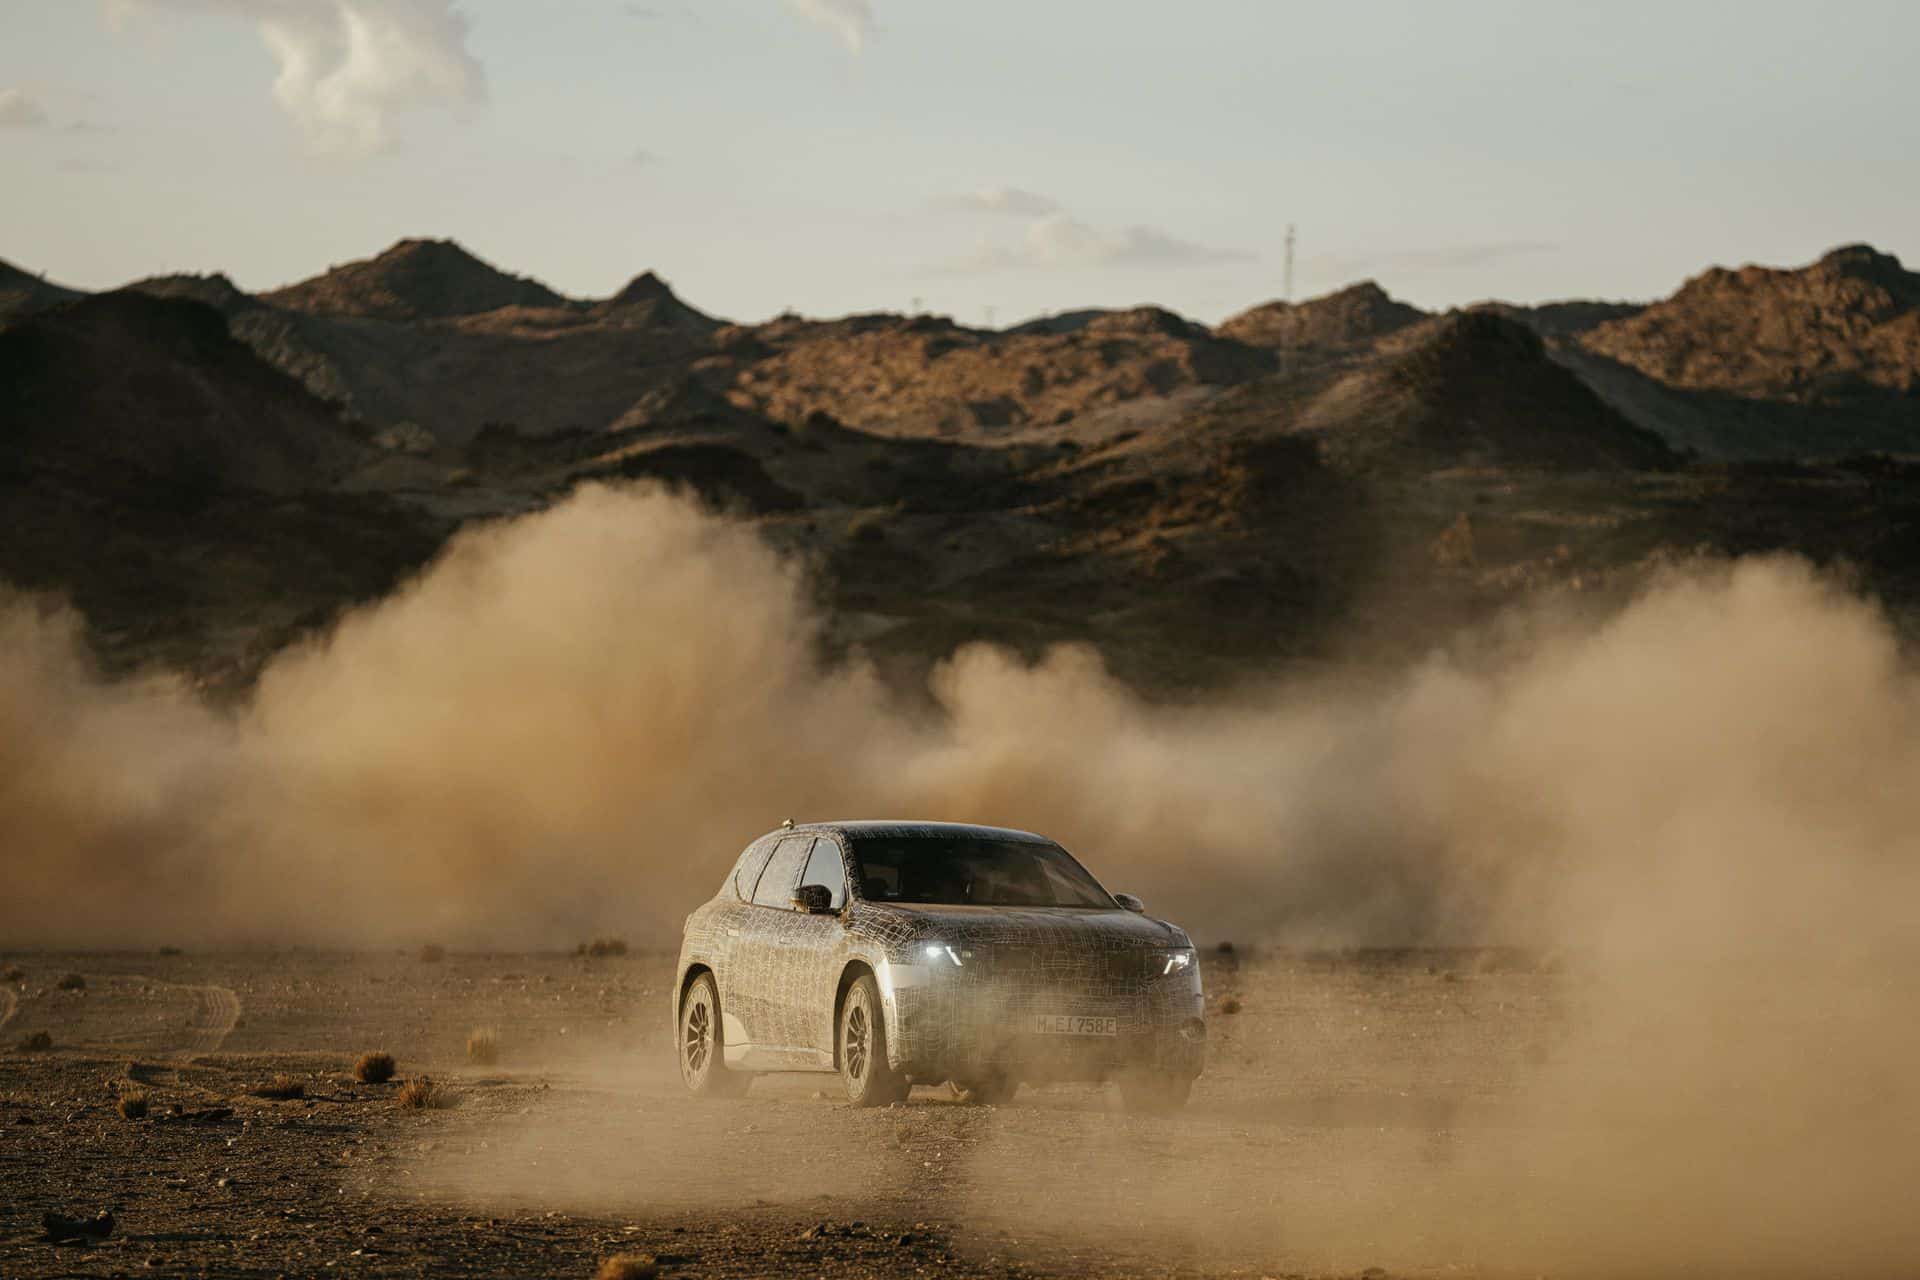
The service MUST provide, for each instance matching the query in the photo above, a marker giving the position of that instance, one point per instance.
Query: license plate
(1068, 1024)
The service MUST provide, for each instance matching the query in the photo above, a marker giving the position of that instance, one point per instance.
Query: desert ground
(1333, 1133)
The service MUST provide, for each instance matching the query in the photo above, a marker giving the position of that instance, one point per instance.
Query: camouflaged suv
(904, 953)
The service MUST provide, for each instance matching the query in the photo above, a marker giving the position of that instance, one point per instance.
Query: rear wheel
(991, 1090)
(1154, 1092)
(702, 1062)
(870, 1081)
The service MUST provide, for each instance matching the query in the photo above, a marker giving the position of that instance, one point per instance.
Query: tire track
(210, 1017)
(219, 1010)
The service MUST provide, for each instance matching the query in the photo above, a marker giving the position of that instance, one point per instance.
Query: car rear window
(973, 871)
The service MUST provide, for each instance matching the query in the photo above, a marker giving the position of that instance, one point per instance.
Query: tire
(703, 1066)
(863, 1048)
(1154, 1093)
(992, 1091)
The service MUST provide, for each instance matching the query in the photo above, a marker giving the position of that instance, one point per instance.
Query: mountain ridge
(212, 473)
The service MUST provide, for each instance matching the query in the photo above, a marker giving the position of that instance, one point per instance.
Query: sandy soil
(1342, 1092)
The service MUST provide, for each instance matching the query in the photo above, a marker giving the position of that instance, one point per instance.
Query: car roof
(899, 828)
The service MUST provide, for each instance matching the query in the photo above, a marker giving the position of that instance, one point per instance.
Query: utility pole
(1288, 277)
(1286, 342)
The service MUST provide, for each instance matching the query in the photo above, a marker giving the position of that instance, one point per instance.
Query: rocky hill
(1474, 388)
(187, 496)
(1818, 361)
(925, 374)
(23, 294)
(162, 386)
(414, 280)
(1843, 330)
(1354, 316)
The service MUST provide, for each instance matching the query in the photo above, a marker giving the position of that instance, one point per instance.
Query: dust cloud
(570, 723)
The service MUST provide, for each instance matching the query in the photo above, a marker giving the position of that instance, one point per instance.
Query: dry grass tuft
(1230, 1005)
(71, 982)
(432, 953)
(373, 1068)
(422, 1094)
(13, 973)
(602, 947)
(628, 1266)
(282, 1088)
(38, 1042)
(133, 1104)
(483, 1046)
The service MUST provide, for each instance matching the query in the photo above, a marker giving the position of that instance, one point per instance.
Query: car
(906, 953)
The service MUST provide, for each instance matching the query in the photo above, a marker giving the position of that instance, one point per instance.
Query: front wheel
(870, 1081)
(702, 1061)
(1154, 1092)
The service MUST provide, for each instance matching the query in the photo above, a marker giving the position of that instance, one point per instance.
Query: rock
(60, 1229)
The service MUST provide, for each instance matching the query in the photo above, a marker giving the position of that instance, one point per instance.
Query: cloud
(1001, 200)
(851, 20)
(660, 13)
(18, 111)
(347, 67)
(1444, 258)
(1058, 241)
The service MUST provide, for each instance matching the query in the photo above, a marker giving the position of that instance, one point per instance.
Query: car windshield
(973, 871)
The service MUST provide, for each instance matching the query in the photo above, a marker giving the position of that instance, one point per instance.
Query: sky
(986, 159)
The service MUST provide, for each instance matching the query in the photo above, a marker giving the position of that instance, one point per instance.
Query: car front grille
(1023, 974)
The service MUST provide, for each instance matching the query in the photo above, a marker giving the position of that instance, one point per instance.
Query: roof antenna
(786, 824)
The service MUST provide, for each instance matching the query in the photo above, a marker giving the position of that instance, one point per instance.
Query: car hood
(1017, 925)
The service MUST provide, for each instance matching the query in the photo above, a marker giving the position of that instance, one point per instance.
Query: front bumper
(955, 1024)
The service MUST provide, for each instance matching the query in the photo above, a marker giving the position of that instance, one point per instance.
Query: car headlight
(938, 954)
(1172, 961)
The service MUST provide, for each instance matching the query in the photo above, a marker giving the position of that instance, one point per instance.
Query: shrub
(170, 951)
(38, 1042)
(281, 1088)
(432, 953)
(13, 973)
(603, 947)
(1230, 1005)
(628, 1266)
(422, 1094)
(71, 982)
(133, 1104)
(483, 1046)
(374, 1068)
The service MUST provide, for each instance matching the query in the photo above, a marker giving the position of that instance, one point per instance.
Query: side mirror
(1130, 902)
(814, 899)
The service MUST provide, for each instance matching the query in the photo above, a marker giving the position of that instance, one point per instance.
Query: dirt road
(1335, 1130)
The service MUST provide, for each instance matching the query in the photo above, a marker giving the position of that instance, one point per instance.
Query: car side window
(747, 873)
(827, 868)
(782, 875)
